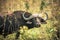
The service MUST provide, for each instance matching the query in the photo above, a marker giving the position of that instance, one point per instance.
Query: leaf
(43, 4)
(27, 5)
(41, 7)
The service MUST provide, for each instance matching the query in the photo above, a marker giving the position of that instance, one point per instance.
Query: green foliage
(43, 4)
(27, 5)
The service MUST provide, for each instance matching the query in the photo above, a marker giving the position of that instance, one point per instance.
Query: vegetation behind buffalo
(45, 32)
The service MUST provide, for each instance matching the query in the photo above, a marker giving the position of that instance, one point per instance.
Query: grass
(45, 32)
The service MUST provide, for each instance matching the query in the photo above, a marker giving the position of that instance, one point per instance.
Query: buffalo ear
(28, 22)
(43, 21)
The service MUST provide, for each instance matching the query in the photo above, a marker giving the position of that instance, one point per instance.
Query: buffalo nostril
(39, 25)
(44, 22)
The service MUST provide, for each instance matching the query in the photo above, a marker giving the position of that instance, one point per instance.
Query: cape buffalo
(12, 22)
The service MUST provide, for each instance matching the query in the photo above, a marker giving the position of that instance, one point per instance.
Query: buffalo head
(34, 20)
